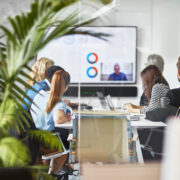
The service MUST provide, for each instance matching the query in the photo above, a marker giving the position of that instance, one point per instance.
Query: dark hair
(50, 72)
(156, 73)
(60, 81)
(152, 75)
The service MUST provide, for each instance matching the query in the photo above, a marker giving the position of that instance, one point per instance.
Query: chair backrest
(174, 96)
(103, 139)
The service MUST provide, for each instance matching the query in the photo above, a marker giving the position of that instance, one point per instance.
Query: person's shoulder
(61, 105)
(41, 95)
(164, 81)
(111, 75)
(42, 85)
(123, 74)
(159, 86)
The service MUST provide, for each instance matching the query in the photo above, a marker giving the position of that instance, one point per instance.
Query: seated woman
(48, 107)
(154, 90)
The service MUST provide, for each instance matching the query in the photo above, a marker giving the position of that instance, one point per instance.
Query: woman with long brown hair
(48, 107)
(154, 90)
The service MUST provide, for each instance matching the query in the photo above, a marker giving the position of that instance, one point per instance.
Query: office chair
(152, 140)
(53, 156)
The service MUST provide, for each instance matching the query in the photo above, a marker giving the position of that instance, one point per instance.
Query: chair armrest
(54, 155)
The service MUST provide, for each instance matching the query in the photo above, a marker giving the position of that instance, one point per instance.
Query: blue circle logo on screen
(92, 58)
(92, 72)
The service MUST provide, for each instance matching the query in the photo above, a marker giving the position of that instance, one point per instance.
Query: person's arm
(67, 102)
(60, 117)
(155, 99)
(134, 108)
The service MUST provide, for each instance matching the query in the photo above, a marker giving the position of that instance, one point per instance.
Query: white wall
(158, 23)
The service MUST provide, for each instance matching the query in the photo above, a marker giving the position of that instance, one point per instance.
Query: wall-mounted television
(90, 60)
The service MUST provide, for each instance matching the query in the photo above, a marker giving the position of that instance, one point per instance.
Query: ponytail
(60, 81)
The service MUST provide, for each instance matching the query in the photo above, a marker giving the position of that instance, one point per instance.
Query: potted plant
(28, 34)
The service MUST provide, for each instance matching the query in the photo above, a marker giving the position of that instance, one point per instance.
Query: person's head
(39, 69)
(150, 75)
(59, 85)
(157, 60)
(50, 72)
(116, 69)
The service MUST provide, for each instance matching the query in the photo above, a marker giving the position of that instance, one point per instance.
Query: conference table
(114, 116)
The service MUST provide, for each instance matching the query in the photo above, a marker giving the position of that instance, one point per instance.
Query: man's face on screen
(116, 69)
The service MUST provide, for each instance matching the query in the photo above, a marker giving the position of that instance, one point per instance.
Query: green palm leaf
(46, 138)
(13, 153)
(28, 34)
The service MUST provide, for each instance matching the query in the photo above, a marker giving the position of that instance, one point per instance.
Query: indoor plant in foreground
(28, 34)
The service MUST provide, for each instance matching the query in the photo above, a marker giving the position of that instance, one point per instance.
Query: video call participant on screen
(157, 60)
(117, 75)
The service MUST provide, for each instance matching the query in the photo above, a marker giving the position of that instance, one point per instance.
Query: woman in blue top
(48, 107)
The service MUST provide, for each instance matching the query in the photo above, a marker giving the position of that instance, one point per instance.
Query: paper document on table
(147, 123)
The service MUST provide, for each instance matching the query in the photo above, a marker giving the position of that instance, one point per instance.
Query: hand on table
(132, 108)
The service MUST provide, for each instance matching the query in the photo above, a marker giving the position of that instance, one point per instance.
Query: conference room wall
(158, 23)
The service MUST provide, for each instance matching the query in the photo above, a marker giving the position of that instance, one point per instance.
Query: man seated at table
(117, 75)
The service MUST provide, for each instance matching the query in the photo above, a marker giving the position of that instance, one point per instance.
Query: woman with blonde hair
(39, 69)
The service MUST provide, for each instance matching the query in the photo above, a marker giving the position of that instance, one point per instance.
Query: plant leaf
(13, 153)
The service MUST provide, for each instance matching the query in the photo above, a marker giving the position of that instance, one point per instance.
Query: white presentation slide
(92, 60)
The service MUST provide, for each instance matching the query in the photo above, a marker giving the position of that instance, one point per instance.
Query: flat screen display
(92, 60)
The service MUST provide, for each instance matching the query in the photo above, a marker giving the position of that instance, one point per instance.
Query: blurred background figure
(157, 60)
(39, 69)
(117, 75)
(178, 68)
(174, 94)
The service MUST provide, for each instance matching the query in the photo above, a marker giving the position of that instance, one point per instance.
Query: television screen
(92, 60)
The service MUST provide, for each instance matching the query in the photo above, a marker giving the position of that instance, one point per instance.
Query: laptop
(106, 102)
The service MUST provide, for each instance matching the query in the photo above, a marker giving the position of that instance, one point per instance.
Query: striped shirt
(159, 90)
